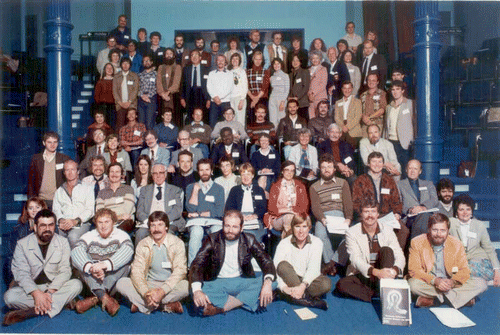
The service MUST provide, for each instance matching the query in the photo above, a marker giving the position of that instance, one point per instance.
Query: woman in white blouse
(240, 88)
(280, 86)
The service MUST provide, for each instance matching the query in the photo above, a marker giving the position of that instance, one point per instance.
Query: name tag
(126, 37)
(347, 160)
(454, 269)
(259, 78)
(258, 197)
(119, 200)
(351, 70)
(406, 111)
(334, 73)
(298, 80)
(374, 67)
(137, 133)
(166, 75)
(373, 256)
(166, 265)
(152, 79)
(210, 198)
(171, 126)
(471, 234)
(119, 159)
(205, 76)
(130, 82)
(422, 188)
(59, 166)
(376, 97)
(385, 191)
(278, 78)
(172, 202)
(335, 196)
(340, 104)
(203, 61)
(272, 156)
(235, 154)
(160, 53)
(200, 130)
(186, 57)
(298, 126)
(250, 52)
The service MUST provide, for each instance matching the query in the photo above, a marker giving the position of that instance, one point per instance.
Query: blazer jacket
(346, 152)
(269, 55)
(35, 173)
(173, 198)
(187, 90)
(209, 260)
(162, 156)
(312, 155)
(364, 188)
(404, 125)
(168, 78)
(377, 65)
(299, 86)
(237, 152)
(28, 262)
(235, 200)
(428, 194)
(478, 241)
(353, 116)
(132, 88)
(301, 204)
(359, 249)
(340, 72)
(421, 259)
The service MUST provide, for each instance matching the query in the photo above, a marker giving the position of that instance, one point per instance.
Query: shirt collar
(206, 189)
(201, 124)
(293, 240)
(48, 156)
(377, 231)
(322, 181)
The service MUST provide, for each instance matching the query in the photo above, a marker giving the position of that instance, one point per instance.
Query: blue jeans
(196, 234)
(147, 111)
(322, 233)
(216, 112)
(403, 156)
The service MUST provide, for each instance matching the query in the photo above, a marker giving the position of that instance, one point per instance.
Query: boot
(18, 315)
(110, 304)
(84, 305)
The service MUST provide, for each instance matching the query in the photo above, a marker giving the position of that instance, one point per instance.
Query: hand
(196, 187)
(145, 98)
(297, 292)
(154, 297)
(200, 299)
(311, 96)
(366, 120)
(208, 104)
(124, 217)
(67, 224)
(240, 105)
(282, 106)
(126, 105)
(347, 222)
(253, 103)
(163, 145)
(171, 169)
(43, 302)
(217, 100)
(496, 278)
(324, 222)
(193, 215)
(397, 216)
(443, 284)
(384, 273)
(417, 209)
(345, 129)
(266, 170)
(266, 293)
(205, 214)
(330, 90)
(311, 174)
(183, 103)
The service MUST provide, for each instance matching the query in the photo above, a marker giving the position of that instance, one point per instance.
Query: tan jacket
(353, 116)
(132, 86)
(176, 252)
(168, 78)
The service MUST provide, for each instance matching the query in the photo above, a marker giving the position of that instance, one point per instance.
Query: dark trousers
(362, 288)
(319, 286)
(121, 118)
(147, 112)
(403, 156)
(216, 112)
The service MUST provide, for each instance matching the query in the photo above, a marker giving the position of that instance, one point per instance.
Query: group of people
(230, 211)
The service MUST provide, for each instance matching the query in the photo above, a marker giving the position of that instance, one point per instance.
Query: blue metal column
(428, 143)
(58, 49)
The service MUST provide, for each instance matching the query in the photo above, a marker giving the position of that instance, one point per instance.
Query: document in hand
(336, 224)
(432, 210)
(395, 298)
(204, 222)
(390, 221)
(451, 317)
(251, 224)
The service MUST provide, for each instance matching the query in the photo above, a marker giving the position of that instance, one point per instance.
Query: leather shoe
(173, 307)
(84, 305)
(424, 302)
(71, 305)
(134, 309)
(211, 310)
(310, 302)
(330, 269)
(471, 303)
(110, 304)
(18, 315)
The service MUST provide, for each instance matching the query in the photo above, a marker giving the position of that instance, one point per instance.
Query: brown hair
(24, 217)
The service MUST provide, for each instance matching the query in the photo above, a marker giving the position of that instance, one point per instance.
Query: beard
(148, 67)
(46, 237)
(205, 178)
(326, 178)
(446, 201)
(168, 61)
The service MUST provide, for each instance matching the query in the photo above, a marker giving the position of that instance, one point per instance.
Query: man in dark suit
(372, 63)
(96, 150)
(194, 85)
(45, 174)
(337, 74)
(159, 196)
(228, 148)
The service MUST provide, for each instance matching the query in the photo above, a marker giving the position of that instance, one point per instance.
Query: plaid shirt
(127, 132)
(258, 80)
(147, 84)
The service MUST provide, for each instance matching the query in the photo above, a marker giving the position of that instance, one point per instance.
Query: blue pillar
(428, 143)
(58, 49)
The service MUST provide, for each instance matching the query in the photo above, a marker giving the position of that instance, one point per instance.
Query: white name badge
(59, 166)
(335, 196)
(376, 97)
(454, 269)
(298, 80)
(186, 57)
(171, 126)
(259, 78)
(130, 82)
(236, 154)
(351, 70)
(374, 67)
(205, 76)
(119, 160)
(126, 37)
(201, 130)
(166, 265)
(341, 104)
(166, 75)
(422, 188)
(334, 73)
(250, 52)
(203, 61)
(152, 79)
(160, 53)
(347, 160)
(258, 197)
(406, 111)
(137, 133)
(373, 256)
(172, 202)
(471, 234)
(210, 198)
(278, 78)
(298, 126)
(385, 191)
(272, 156)
(119, 200)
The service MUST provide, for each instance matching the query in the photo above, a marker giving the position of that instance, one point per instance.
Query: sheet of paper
(251, 224)
(266, 174)
(389, 220)
(451, 317)
(336, 224)
(432, 210)
(204, 222)
(305, 314)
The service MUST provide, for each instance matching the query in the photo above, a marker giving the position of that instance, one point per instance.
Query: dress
(280, 84)
(317, 87)
(239, 92)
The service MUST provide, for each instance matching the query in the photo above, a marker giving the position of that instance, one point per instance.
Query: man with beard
(181, 53)
(206, 58)
(41, 269)
(330, 196)
(158, 273)
(374, 142)
(146, 106)
(445, 192)
(194, 85)
(319, 124)
(204, 199)
(374, 253)
(168, 82)
(102, 256)
(98, 180)
(438, 268)
(223, 267)
(253, 46)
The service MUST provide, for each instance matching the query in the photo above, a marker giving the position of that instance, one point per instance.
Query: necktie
(158, 195)
(99, 151)
(414, 187)
(152, 155)
(195, 76)
(96, 187)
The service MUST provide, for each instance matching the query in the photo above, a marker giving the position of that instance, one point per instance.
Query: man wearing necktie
(372, 63)
(276, 50)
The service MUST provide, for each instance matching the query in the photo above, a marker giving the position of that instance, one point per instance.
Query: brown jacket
(364, 188)
(132, 86)
(353, 116)
(35, 173)
(168, 78)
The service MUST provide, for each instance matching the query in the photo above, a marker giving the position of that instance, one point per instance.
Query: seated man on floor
(73, 205)
(102, 256)
(374, 253)
(438, 268)
(158, 277)
(374, 142)
(418, 196)
(185, 174)
(330, 196)
(222, 277)
(159, 196)
(298, 265)
(42, 271)
(445, 192)
(204, 200)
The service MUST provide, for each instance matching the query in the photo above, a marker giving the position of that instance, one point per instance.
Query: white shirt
(157, 205)
(464, 229)
(81, 204)
(240, 90)
(247, 202)
(220, 84)
(346, 106)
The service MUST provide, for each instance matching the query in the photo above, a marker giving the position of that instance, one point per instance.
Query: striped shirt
(121, 201)
(331, 195)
